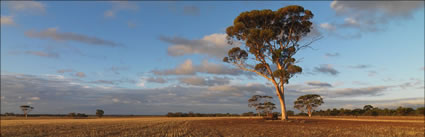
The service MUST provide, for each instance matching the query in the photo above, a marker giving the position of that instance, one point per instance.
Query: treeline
(191, 114)
(366, 111)
(371, 111)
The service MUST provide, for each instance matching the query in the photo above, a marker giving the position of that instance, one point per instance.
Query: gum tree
(99, 113)
(26, 109)
(261, 104)
(271, 39)
(308, 103)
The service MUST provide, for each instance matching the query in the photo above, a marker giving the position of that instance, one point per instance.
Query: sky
(150, 58)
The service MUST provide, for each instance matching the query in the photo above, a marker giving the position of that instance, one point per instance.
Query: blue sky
(166, 56)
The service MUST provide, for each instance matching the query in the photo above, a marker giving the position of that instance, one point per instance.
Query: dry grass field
(211, 127)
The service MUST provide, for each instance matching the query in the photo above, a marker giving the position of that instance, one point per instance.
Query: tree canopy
(308, 102)
(26, 109)
(272, 38)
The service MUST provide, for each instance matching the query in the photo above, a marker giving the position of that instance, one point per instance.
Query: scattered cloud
(214, 45)
(188, 68)
(360, 66)
(26, 6)
(372, 73)
(336, 54)
(367, 91)
(34, 98)
(62, 95)
(113, 82)
(61, 71)
(202, 81)
(191, 10)
(118, 6)
(52, 33)
(80, 74)
(328, 26)
(7, 20)
(109, 82)
(318, 84)
(156, 80)
(43, 54)
(360, 83)
(115, 100)
(370, 16)
(117, 69)
(326, 69)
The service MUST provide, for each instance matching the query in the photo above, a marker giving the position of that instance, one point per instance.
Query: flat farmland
(216, 127)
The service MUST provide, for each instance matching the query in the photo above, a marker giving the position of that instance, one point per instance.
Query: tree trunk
(26, 116)
(282, 105)
(309, 112)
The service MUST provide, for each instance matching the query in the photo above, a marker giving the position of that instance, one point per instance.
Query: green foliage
(400, 111)
(191, 114)
(290, 113)
(309, 101)
(367, 107)
(99, 113)
(272, 35)
(261, 104)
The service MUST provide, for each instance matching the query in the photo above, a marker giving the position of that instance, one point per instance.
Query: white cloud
(336, 54)
(204, 81)
(369, 16)
(188, 68)
(115, 100)
(156, 80)
(80, 74)
(351, 21)
(34, 98)
(327, 26)
(118, 6)
(141, 83)
(214, 45)
(7, 20)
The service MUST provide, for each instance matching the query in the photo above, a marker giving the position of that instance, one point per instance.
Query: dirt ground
(211, 127)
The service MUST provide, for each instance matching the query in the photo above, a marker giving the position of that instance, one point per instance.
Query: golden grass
(206, 126)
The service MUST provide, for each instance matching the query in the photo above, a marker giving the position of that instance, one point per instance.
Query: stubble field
(212, 127)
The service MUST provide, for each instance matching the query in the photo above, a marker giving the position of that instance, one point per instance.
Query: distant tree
(290, 113)
(99, 113)
(81, 115)
(367, 107)
(308, 102)
(72, 114)
(26, 109)
(170, 114)
(268, 107)
(270, 37)
(254, 102)
(420, 111)
(404, 111)
(9, 114)
(261, 104)
(357, 112)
